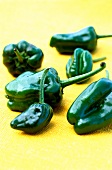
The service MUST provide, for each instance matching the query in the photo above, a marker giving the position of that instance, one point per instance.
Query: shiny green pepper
(37, 116)
(24, 90)
(92, 109)
(86, 38)
(22, 57)
(80, 63)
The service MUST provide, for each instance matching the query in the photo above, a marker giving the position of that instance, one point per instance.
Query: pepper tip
(15, 49)
(103, 64)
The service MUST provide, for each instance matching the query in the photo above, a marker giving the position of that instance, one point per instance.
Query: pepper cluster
(43, 90)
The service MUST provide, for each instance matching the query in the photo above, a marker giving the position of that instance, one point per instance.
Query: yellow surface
(57, 147)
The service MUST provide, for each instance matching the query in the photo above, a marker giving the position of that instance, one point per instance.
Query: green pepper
(24, 90)
(37, 116)
(22, 57)
(92, 109)
(80, 63)
(85, 38)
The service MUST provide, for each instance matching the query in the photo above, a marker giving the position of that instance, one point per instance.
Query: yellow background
(57, 147)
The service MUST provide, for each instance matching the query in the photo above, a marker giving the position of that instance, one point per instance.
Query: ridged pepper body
(100, 119)
(79, 63)
(24, 90)
(29, 58)
(86, 38)
(92, 109)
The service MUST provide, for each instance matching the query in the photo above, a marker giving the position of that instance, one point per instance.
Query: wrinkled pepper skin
(30, 57)
(24, 90)
(80, 63)
(92, 109)
(34, 119)
(85, 38)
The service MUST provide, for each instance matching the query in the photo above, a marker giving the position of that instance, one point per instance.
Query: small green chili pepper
(22, 57)
(92, 109)
(37, 116)
(85, 38)
(80, 63)
(24, 90)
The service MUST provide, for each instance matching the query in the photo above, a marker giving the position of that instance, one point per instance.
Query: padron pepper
(80, 62)
(92, 109)
(85, 38)
(37, 116)
(22, 57)
(24, 90)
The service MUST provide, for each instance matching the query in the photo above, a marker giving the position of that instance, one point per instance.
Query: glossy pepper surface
(92, 109)
(80, 62)
(24, 90)
(37, 116)
(85, 38)
(22, 57)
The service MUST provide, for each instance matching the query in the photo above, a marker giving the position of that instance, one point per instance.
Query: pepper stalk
(107, 74)
(19, 56)
(98, 59)
(41, 91)
(103, 36)
(79, 78)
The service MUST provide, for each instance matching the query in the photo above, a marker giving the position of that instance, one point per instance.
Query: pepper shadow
(95, 51)
(60, 108)
(107, 129)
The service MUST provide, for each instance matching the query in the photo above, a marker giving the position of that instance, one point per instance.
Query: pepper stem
(103, 36)
(79, 78)
(19, 56)
(107, 74)
(41, 92)
(98, 59)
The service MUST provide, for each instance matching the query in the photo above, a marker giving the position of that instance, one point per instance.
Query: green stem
(79, 78)
(107, 74)
(41, 92)
(19, 56)
(98, 59)
(103, 36)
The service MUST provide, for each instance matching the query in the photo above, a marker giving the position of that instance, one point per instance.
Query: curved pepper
(85, 38)
(92, 108)
(37, 116)
(22, 57)
(80, 63)
(24, 90)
